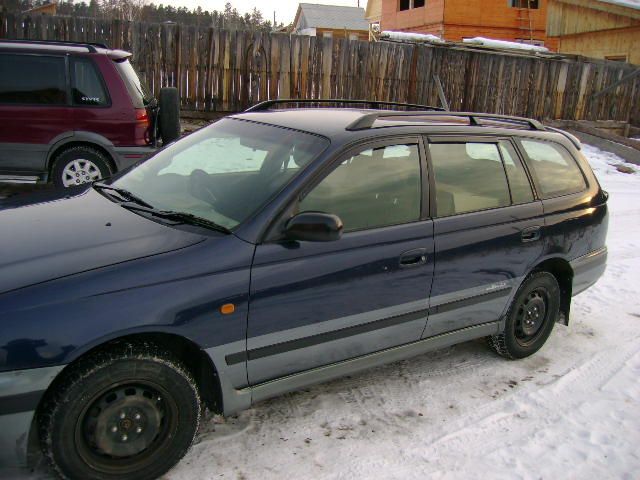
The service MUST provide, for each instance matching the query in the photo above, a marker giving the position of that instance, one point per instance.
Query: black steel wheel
(126, 413)
(531, 317)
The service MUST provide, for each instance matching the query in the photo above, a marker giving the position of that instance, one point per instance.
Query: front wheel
(78, 165)
(126, 413)
(531, 317)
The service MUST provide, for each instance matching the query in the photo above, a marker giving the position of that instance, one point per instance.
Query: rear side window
(87, 87)
(556, 172)
(518, 181)
(138, 90)
(468, 177)
(32, 80)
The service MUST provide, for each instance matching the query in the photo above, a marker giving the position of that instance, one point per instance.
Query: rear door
(313, 304)
(487, 228)
(34, 109)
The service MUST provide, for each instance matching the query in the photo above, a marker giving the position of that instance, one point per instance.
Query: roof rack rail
(91, 46)
(572, 138)
(267, 104)
(367, 121)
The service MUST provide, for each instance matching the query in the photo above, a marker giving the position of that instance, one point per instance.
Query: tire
(531, 317)
(130, 412)
(78, 165)
(169, 115)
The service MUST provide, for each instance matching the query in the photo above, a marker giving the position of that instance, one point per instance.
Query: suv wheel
(130, 412)
(78, 165)
(169, 114)
(531, 317)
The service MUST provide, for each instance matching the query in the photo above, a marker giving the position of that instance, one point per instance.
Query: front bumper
(587, 269)
(20, 394)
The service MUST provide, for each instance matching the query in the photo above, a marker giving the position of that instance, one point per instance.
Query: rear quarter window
(32, 79)
(87, 87)
(555, 170)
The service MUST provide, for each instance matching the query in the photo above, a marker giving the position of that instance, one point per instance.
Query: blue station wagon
(277, 248)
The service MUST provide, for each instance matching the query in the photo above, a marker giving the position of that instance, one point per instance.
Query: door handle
(413, 258)
(531, 234)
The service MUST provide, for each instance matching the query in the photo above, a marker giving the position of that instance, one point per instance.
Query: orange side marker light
(227, 308)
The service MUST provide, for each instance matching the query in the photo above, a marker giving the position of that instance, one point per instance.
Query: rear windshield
(138, 90)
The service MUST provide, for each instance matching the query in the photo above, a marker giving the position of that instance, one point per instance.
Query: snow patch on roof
(489, 42)
(411, 37)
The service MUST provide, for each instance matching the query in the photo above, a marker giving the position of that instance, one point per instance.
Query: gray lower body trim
(127, 156)
(321, 374)
(20, 392)
(587, 269)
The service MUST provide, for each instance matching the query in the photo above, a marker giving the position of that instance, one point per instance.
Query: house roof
(624, 3)
(311, 15)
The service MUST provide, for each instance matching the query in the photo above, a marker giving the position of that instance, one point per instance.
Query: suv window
(375, 188)
(32, 79)
(138, 91)
(87, 87)
(468, 177)
(555, 171)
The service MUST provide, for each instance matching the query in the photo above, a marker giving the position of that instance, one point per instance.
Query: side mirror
(314, 227)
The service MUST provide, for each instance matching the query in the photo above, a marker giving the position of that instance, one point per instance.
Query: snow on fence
(220, 70)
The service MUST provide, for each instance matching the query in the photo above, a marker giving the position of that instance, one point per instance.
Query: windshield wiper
(183, 217)
(126, 194)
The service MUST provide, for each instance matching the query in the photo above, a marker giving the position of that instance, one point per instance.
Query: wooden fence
(220, 70)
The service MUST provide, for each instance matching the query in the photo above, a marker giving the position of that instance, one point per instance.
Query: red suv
(72, 113)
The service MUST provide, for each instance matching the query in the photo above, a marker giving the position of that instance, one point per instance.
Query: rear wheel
(127, 413)
(78, 165)
(531, 317)
(169, 114)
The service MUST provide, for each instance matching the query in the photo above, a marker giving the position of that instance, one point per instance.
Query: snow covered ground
(571, 411)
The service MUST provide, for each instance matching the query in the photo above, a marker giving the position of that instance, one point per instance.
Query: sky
(285, 9)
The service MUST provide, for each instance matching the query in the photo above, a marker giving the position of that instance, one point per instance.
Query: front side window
(86, 84)
(32, 80)
(468, 177)
(223, 173)
(375, 188)
(556, 172)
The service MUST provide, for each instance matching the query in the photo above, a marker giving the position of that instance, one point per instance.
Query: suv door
(314, 304)
(487, 227)
(34, 109)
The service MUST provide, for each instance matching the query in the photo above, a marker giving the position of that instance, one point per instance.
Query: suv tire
(129, 412)
(169, 114)
(531, 317)
(77, 165)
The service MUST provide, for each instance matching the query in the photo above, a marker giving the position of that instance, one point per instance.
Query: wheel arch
(82, 139)
(199, 364)
(562, 271)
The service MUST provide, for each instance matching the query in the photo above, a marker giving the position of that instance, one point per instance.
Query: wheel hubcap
(531, 316)
(124, 422)
(80, 171)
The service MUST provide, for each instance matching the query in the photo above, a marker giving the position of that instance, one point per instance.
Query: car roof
(46, 46)
(338, 123)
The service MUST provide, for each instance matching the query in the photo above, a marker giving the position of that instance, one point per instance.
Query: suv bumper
(20, 393)
(587, 269)
(127, 156)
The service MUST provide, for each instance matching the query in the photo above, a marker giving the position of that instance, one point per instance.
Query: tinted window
(224, 172)
(555, 170)
(518, 181)
(468, 177)
(87, 86)
(375, 188)
(138, 90)
(32, 79)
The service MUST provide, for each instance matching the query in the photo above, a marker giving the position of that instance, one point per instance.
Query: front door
(487, 230)
(314, 304)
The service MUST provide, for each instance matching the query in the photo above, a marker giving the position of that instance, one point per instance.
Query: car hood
(50, 240)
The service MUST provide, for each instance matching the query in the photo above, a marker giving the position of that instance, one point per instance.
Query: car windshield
(138, 90)
(223, 173)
